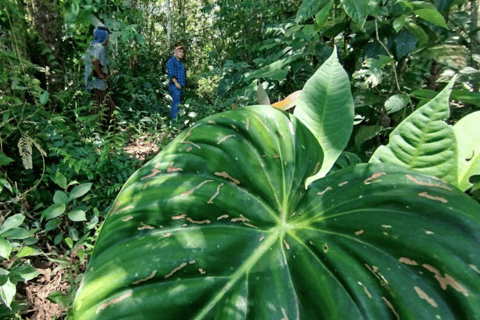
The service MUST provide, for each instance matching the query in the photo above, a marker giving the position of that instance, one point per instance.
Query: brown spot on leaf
(424, 296)
(189, 132)
(343, 183)
(147, 278)
(210, 201)
(359, 232)
(227, 176)
(365, 289)
(166, 235)
(154, 172)
(171, 168)
(242, 219)
(286, 244)
(189, 149)
(426, 195)
(261, 238)
(145, 226)
(181, 216)
(325, 248)
(124, 209)
(327, 189)
(428, 184)
(474, 267)
(223, 217)
(127, 218)
(250, 225)
(408, 261)
(114, 301)
(192, 262)
(198, 222)
(211, 121)
(202, 271)
(386, 226)
(390, 305)
(225, 138)
(183, 265)
(186, 193)
(248, 124)
(446, 280)
(373, 177)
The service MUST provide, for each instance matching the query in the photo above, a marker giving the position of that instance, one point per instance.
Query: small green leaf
(366, 133)
(5, 248)
(4, 160)
(58, 238)
(60, 197)
(309, 8)
(396, 103)
(69, 242)
(24, 272)
(322, 16)
(52, 224)
(28, 251)
(7, 292)
(77, 215)
(262, 96)
(44, 97)
(467, 131)
(12, 222)
(16, 234)
(359, 10)
(60, 180)
(6, 184)
(399, 23)
(54, 211)
(79, 190)
(418, 32)
(433, 16)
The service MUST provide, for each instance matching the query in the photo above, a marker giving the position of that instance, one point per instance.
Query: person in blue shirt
(176, 74)
(97, 71)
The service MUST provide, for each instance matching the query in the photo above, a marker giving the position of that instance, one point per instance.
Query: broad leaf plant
(222, 224)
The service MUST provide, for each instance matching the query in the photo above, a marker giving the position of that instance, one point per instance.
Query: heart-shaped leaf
(219, 225)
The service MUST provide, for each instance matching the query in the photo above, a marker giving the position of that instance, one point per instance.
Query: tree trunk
(168, 10)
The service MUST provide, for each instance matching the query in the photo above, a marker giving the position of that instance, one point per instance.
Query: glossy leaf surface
(220, 226)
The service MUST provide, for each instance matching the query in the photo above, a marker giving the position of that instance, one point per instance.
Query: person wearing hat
(176, 74)
(97, 71)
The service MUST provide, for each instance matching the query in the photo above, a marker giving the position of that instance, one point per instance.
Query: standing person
(176, 73)
(97, 72)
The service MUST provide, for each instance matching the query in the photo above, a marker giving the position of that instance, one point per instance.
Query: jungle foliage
(409, 81)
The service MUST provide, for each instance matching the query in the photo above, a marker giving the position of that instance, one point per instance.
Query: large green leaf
(467, 131)
(359, 10)
(424, 142)
(220, 226)
(309, 8)
(326, 107)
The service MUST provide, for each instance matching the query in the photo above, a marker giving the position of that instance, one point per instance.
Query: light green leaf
(60, 197)
(52, 224)
(5, 184)
(69, 242)
(424, 142)
(366, 133)
(79, 190)
(44, 97)
(24, 272)
(262, 96)
(399, 23)
(396, 103)
(5, 248)
(28, 251)
(418, 32)
(7, 292)
(4, 160)
(77, 215)
(309, 8)
(467, 131)
(326, 107)
(359, 10)
(16, 234)
(60, 180)
(54, 211)
(433, 16)
(12, 222)
(322, 16)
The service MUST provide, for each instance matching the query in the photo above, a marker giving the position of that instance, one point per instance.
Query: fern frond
(25, 149)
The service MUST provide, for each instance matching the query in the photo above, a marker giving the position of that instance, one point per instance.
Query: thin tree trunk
(169, 23)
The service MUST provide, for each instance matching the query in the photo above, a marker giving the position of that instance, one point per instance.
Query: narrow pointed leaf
(220, 226)
(424, 142)
(262, 96)
(467, 132)
(326, 107)
(12, 222)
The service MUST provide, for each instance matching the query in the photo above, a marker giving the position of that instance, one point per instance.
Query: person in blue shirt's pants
(176, 73)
